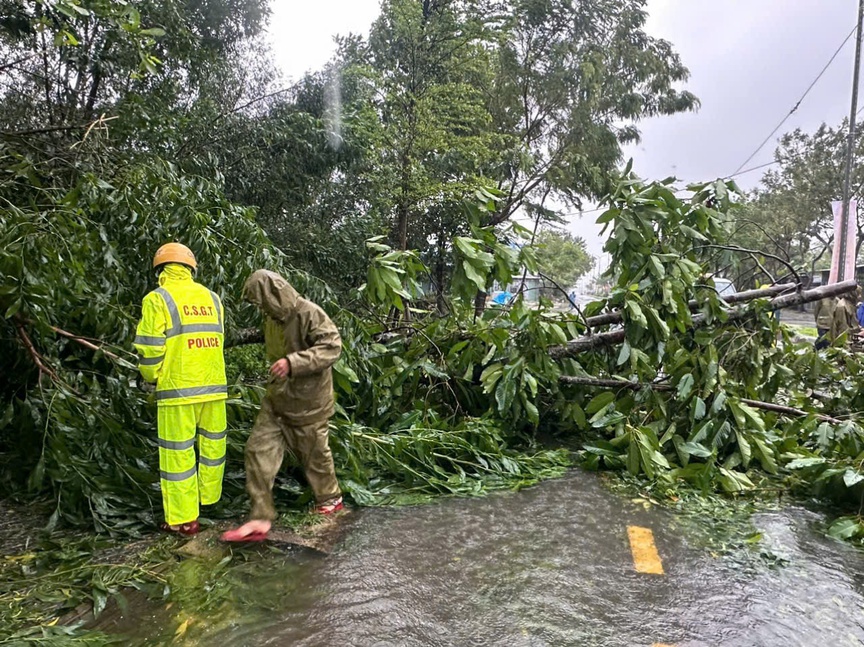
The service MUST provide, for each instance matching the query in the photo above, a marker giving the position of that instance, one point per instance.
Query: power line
(760, 166)
(797, 104)
(583, 212)
(753, 168)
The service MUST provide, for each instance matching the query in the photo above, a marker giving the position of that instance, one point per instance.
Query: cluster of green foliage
(399, 165)
(562, 257)
(393, 175)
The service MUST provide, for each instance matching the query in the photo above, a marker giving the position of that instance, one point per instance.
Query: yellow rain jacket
(180, 339)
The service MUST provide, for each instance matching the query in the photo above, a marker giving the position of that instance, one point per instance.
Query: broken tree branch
(739, 297)
(572, 303)
(86, 343)
(614, 337)
(637, 386)
(37, 358)
(753, 254)
(245, 336)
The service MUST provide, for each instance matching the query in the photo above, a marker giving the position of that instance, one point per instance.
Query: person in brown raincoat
(303, 344)
(824, 313)
(845, 319)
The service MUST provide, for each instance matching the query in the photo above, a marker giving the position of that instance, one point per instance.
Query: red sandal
(186, 529)
(236, 537)
(330, 507)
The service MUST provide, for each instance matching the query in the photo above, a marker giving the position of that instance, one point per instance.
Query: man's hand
(143, 385)
(281, 368)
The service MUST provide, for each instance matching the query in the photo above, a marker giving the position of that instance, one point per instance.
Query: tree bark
(245, 336)
(739, 297)
(479, 304)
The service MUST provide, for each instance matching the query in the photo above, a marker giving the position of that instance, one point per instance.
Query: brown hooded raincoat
(295, 410)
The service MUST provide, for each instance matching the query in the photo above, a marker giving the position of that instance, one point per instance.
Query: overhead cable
(797, 103)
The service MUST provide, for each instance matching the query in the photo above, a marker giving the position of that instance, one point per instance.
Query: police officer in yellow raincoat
(303, 344)
(179, 341)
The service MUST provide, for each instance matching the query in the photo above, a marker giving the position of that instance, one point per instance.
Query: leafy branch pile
(424, 141)
(692, 421)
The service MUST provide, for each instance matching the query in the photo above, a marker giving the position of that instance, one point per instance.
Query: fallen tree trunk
(245, 336)
(636, 386)
(614, 337)
(615, 317)
(256, 336)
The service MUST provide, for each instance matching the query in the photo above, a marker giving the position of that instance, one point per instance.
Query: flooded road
(552, 565)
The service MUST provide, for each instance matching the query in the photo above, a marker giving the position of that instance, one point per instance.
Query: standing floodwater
(547, 566)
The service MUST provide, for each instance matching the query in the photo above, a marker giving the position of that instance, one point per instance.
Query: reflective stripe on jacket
(180, 339)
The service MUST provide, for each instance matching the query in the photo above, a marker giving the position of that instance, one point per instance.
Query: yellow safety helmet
(174, 253)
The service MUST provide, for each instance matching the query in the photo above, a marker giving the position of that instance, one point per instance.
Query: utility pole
(850, 150)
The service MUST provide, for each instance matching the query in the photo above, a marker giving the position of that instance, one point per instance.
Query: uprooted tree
(445, 404)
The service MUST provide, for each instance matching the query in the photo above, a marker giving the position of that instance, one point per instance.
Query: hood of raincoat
(174, 272)
(272, 294)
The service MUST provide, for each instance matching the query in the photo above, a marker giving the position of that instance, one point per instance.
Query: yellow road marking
(661, 645)
(645, 557)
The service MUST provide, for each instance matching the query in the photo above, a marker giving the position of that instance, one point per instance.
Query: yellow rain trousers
(180, 343)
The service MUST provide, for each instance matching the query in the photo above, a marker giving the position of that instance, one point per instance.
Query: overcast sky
(750, 61)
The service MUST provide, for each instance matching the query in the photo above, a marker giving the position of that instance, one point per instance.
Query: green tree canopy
(562, 257)
(789, 215)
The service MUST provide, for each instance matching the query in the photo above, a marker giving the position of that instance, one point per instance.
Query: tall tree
(572, 81)
(789, 215)
(429, 63)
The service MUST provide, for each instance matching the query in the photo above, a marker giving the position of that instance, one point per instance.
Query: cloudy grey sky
(750, 61)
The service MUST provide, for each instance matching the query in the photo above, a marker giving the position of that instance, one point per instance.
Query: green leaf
(100, 599)
(695, 449)
(478, 279)
(342, 368)
(846, 528)
(685, 386)
(636, 314)
(608, 216)
(13, 309)
(624, 354)
(505, 393)
(533, 413)
(800, 463)
(600, 401)
(719, 403)
(37, 476)
(153, 31)
(490, 376)
(633, 458)
(851, 477)
(744, 448)
(670, 432)
(733, 481)
(765, 454)
(698, 408)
